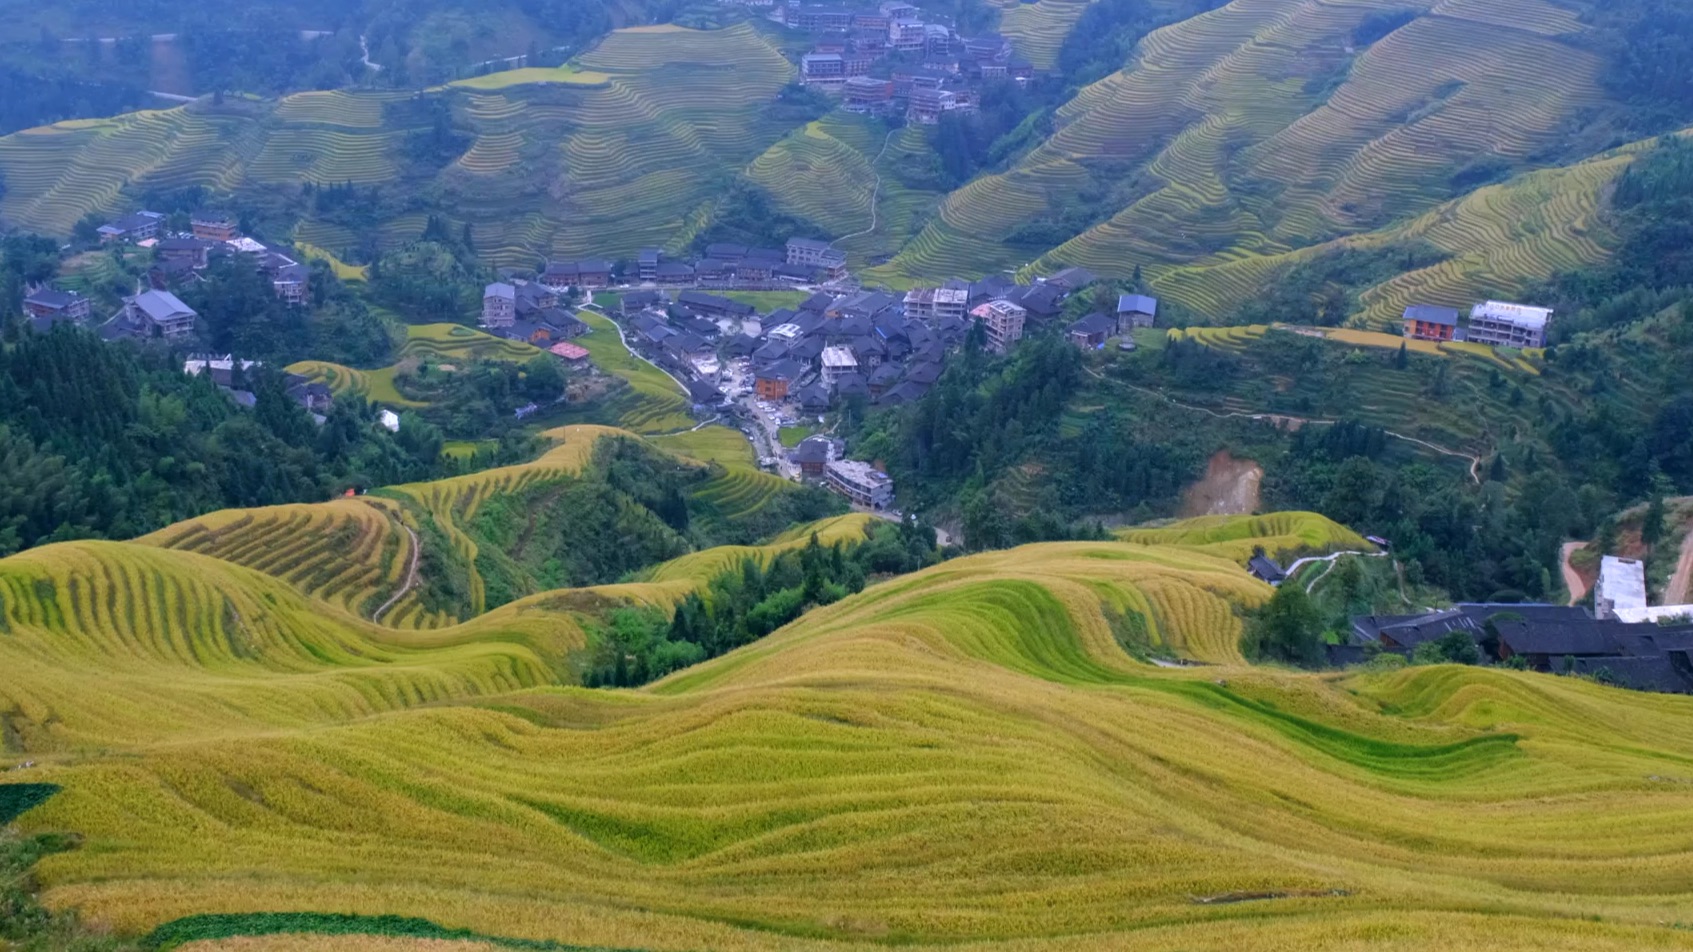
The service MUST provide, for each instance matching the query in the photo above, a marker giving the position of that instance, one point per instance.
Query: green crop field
(964, 757)
(767, 301)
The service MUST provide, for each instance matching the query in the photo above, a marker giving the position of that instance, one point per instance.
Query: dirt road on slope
(1572, 579)
(411, 577)
(1676, 592)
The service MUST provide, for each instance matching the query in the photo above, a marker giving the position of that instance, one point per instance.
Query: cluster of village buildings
(1622, 640)
(882, 348)
(1497, 323)
(179, 260)
(891, 60)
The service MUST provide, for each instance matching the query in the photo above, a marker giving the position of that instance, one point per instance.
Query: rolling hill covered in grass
(966, 756)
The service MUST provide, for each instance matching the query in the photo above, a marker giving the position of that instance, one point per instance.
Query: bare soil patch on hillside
(1230, 488)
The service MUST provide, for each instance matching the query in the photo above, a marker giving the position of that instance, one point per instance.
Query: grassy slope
(963, 755)
(653, 402)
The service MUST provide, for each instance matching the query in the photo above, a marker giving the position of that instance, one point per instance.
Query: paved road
(1330, 559)
(768, 437)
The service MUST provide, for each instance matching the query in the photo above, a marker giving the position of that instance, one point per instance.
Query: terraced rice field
(653, 402)
(818, 177)
(1038, 29)
(376, 386)
(532, 76)
(1232, 339)
(450, 505)
(621, 148)
(341, 269)
(965, 757)
(741, 489)
(1235, 537)
(700, 568)
(352, 553)
(448, 342)
(1244, 155)
(435, 343)
(1471, 415)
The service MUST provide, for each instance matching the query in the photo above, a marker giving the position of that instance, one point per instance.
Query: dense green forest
(106, 441)
(744, 604)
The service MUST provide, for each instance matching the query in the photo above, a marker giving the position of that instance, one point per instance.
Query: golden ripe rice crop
(964, 757)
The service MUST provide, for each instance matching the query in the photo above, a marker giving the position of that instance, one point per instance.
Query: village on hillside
(839, 344)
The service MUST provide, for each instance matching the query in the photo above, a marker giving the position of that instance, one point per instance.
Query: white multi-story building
(1503, 324)
(927, 304)
(837, 363)
(1004, 323)
(1621, 587)
(860, 482)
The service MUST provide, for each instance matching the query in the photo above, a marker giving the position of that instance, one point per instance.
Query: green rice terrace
(622, 150)
(436, 343)
(1232, 147)
(1244, 140)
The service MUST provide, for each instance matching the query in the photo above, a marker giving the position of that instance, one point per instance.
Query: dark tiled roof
(1265, 569)
(781, 370)
(1094, 324)
(851, 385)
(1574, 637)
(1654, 673)
(1429, 314)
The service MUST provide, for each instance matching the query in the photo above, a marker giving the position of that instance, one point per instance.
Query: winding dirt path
(875, 193)
(411, 576)
(1675, 593)
(1573, 582)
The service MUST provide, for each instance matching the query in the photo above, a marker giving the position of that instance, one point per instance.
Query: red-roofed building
(574, 356)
